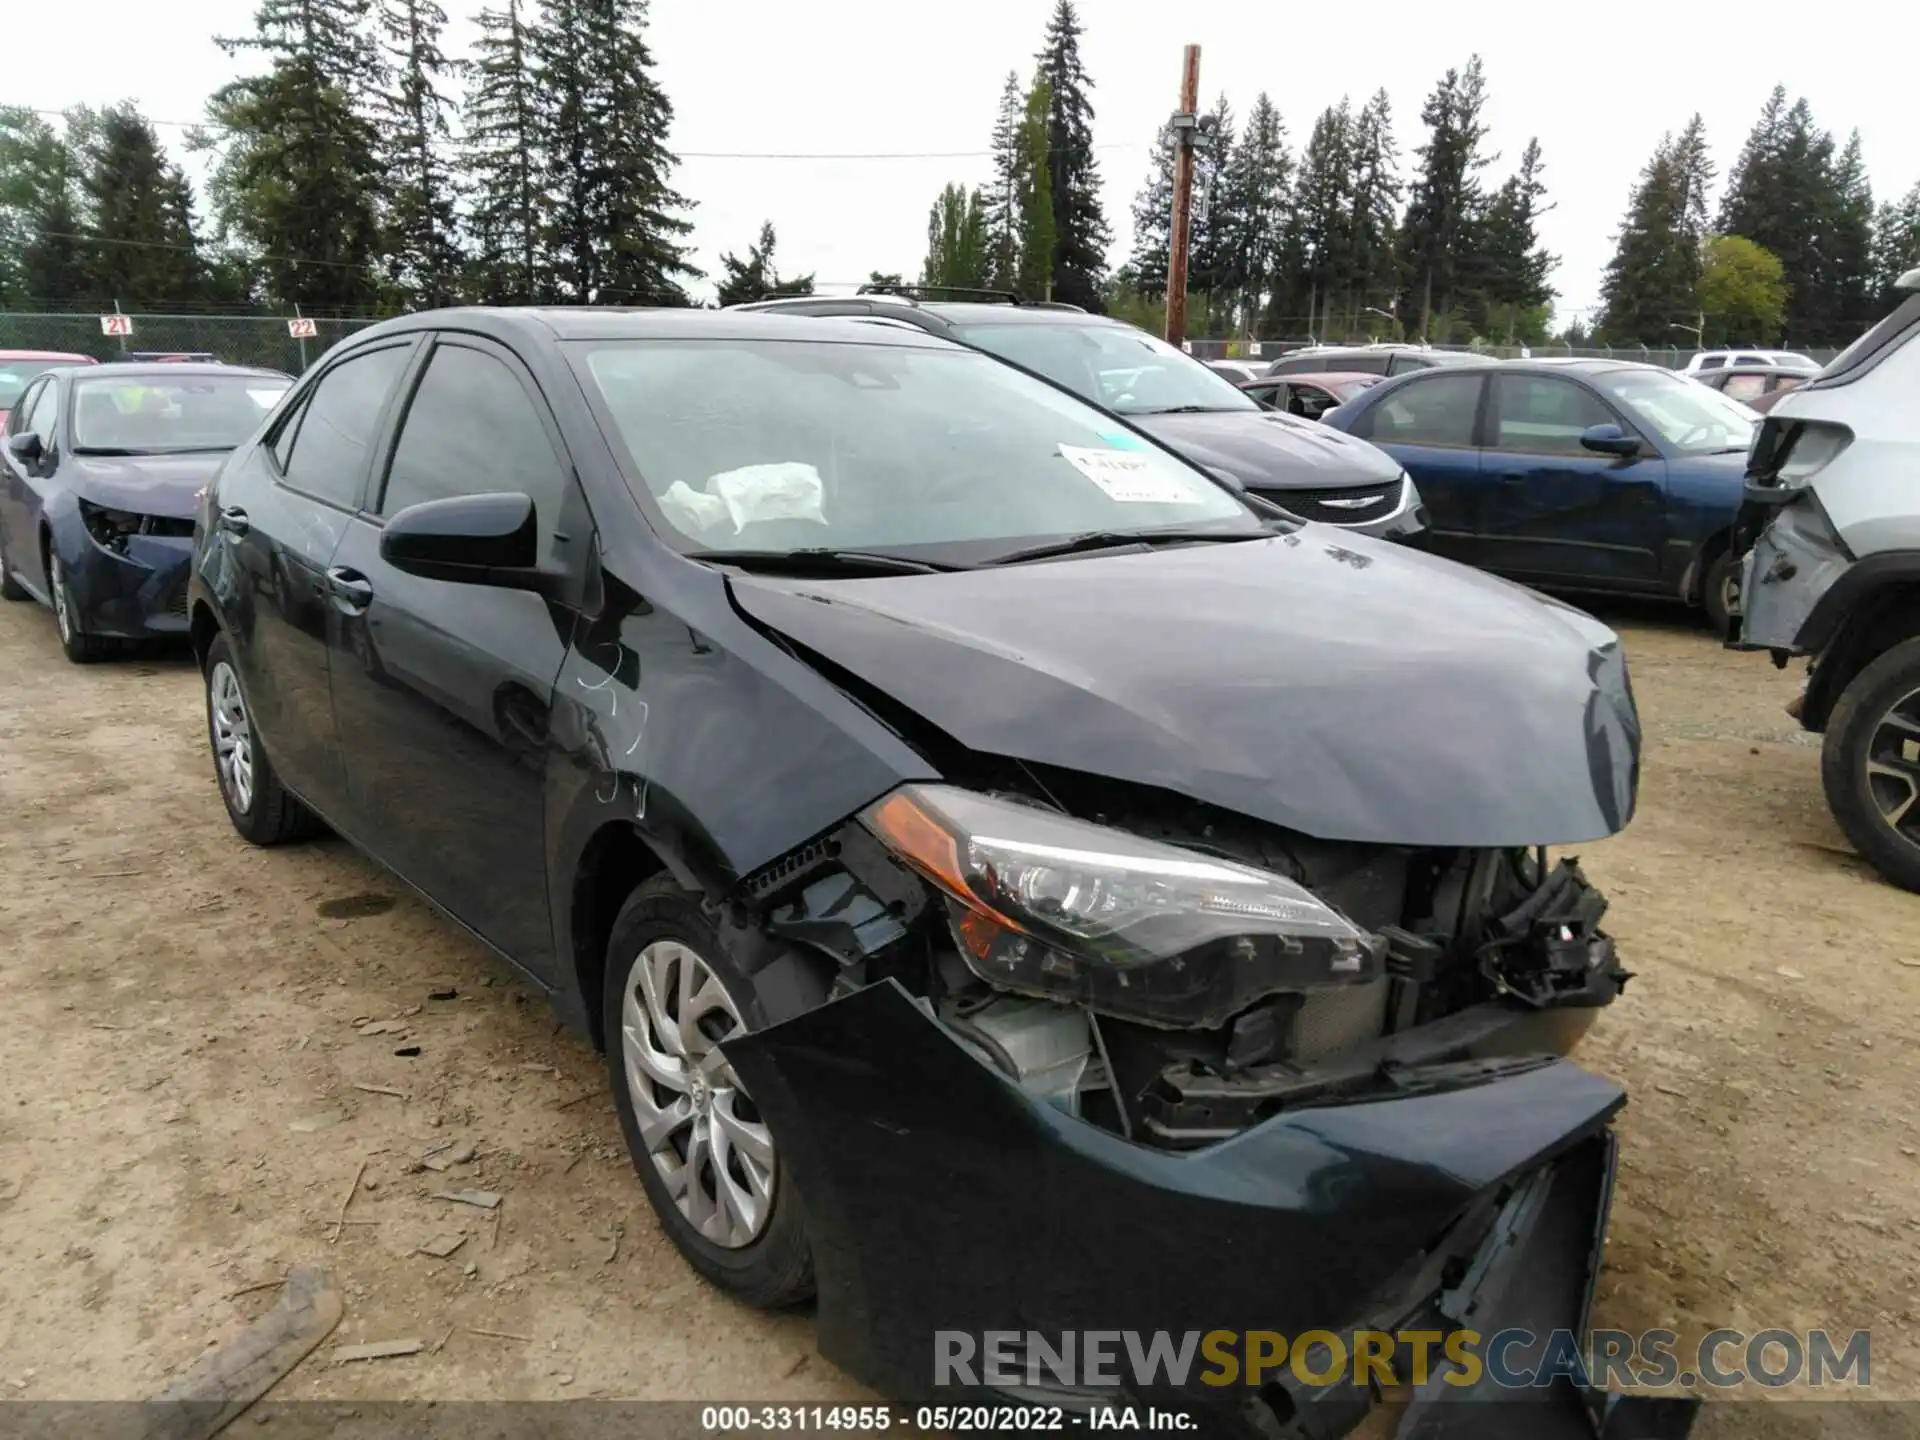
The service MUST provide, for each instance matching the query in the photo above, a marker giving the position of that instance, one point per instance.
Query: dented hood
(1336, 685)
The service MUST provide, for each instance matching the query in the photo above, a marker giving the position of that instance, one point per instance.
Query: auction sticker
(1129, 476)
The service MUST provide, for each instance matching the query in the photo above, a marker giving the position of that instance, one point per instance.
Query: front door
(19, 504)
(1552, 510)
(442, 691)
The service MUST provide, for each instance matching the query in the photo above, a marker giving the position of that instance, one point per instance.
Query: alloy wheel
(1893, 767)
(699, 1126)
(1730, 591)
(232, 736)
(62, 610)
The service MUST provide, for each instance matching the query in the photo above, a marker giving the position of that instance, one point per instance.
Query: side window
(1751, 360)
(1398, 365)
(1310, 402)
(283, 442)
(472, 429)
(1713, 362)
(23, 407)
(336, 429)
(1785, 382)
(1437, 410)
(44, 418)
(1744, 387)
(1539, 415)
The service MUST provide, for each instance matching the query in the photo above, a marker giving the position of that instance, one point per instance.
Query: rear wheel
(81, 648)
(257, 803)
(702, 1150)
(1870, 764)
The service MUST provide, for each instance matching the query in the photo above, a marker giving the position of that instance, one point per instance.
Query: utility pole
(1186, 125)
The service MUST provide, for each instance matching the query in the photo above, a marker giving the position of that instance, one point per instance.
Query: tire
(260, 808)
(9, 587)
(80, 647)
(768, 1264)
(1720, 591)
(1850, 738)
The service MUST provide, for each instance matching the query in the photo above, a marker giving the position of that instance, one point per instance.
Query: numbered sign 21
(116, 324)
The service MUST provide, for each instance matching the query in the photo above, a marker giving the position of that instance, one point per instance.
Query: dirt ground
(188, 1096)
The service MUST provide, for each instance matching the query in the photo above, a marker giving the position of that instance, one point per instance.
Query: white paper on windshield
(788, 490)
(1130, 476)
(690, 511)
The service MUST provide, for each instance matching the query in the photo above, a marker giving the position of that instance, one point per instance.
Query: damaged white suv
(1832, 514)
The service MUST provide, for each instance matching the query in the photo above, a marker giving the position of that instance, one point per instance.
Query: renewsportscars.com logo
(1512, 1359)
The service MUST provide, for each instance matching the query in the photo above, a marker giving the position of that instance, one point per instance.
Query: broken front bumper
(941, 1197)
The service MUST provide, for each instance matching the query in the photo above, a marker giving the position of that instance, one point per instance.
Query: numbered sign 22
(301, 328)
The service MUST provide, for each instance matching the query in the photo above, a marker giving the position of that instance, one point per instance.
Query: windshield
(152, 414)
(1691, 418)
(1124, 369)
(16, 375)
(776, 446)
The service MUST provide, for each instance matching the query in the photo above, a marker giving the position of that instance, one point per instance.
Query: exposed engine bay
(1315, 972)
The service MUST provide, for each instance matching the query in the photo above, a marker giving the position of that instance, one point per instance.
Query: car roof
(1796, 367)
(1334, 377)
(173, 370)
(591, 322)
(71, 356)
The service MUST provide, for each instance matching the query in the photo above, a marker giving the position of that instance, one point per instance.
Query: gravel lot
(187, 1099)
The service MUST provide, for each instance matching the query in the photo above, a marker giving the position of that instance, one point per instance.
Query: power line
(248, 256)
(679, 154)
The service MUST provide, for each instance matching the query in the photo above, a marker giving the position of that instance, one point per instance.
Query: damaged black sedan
(1017, 886)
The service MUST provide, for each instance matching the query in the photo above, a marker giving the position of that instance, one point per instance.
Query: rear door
(442, 691)
(1428, 424)
(280, 513)
(1552, 510)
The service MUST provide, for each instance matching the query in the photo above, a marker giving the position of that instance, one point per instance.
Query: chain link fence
(1259, 353)
(236, 339)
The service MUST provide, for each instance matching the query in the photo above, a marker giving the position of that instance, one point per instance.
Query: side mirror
(1609, 440)
(25, 447)
(471, 540)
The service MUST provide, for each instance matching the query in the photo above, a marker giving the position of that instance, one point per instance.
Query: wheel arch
(1693, 579)
(202, 626)
(616, 861)
(1872, 625)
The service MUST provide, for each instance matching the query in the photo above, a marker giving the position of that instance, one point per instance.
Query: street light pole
(1186, 123)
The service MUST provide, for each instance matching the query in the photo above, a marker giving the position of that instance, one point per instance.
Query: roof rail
(914, 292)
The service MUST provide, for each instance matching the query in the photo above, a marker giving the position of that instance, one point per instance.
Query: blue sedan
(1587, 475)
(99, 473)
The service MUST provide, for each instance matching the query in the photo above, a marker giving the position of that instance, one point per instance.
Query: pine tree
(1446, 201)
(1896, 247)
(614, 230)
(1847, 245)
(1153, 219)
(957, 240)
(1003, 193)
(1037, 230)
(1651, 282)
(1513, 264)
(140, 247)
(42, 262)
(298, 178)
(423, 259)
(503, 149)
(1079, 223)
(757, 277)
(1322, 201)
(1372, 228)
(1213, 220)
(1250, 214)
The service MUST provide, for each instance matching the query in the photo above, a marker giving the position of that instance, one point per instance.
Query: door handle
(234, 520)
(352, 590)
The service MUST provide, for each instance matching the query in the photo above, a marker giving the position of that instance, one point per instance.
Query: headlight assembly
(111, 527)
(1047, 905)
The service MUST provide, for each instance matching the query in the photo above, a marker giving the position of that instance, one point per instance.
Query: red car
(1309, 396)
(19, 367)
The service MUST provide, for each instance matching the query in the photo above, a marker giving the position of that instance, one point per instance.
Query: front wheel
(1720, 591)
(701, 1147)
(1870, 763)
(80, 647)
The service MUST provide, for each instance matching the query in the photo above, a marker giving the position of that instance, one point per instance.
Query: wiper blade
(853, 562)
(1120, 539)
(105, 450)
(1189, 410)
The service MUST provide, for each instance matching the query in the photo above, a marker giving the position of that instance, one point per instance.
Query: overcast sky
(1598, 83)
